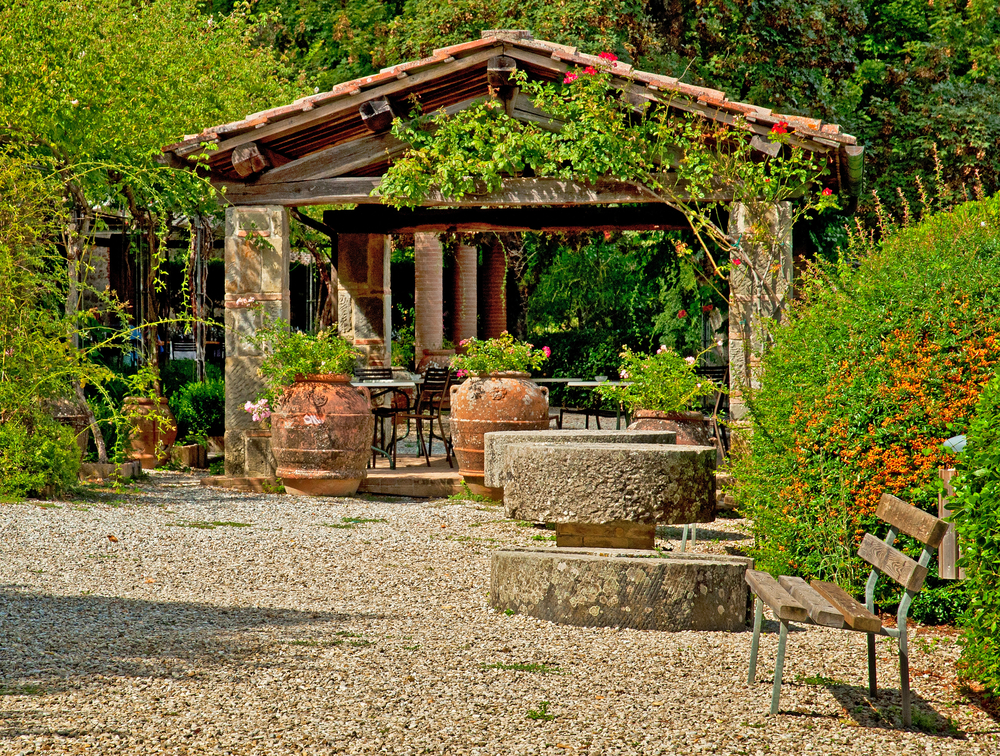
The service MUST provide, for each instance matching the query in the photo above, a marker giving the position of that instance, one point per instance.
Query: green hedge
(36, 454)
(882, 358)
(200, 410)
(976, 505)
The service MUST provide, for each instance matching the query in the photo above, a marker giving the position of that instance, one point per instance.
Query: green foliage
(883, 357)
(200, 411)
(288, 353)
(36, 454)
(660, 382)
(977, 520)
(500, 355)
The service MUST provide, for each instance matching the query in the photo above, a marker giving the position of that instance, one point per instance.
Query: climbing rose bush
(500, 355)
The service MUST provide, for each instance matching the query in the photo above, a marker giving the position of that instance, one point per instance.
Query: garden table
(594, 401)
(397, 387)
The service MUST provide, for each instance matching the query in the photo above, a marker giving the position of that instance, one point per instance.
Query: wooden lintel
(388, 220)
(523, 192)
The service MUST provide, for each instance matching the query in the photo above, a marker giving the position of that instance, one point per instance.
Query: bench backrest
(902, 518)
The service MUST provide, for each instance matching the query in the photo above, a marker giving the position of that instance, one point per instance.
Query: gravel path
(133, 624)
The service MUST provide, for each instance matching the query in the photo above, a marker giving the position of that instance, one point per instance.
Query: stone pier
(364, 298)
(257, 253)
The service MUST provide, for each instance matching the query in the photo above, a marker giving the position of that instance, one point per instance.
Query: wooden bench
(791, 599)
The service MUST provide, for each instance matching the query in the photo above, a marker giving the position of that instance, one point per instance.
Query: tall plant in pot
(659, 390)
(321, 426)
(499, 396)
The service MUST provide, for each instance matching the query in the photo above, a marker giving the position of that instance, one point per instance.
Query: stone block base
(601, 483)
(643, 590)
(496, 462)
(95, 471)
(192, 455)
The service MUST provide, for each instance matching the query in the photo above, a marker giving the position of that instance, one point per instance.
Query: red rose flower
(707, 308)
(590, 70)
(682, 314)
(570, 78)
(610, 57)
(781, 127)
(827, 192)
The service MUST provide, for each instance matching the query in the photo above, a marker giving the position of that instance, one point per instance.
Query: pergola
(332, 149)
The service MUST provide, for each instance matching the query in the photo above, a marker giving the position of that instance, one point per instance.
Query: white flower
(689, 360)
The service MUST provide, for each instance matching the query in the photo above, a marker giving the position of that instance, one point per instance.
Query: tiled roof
(454, 74)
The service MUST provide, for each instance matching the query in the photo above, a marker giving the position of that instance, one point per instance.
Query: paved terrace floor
(165, 617)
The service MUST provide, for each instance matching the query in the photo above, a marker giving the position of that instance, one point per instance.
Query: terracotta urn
(69, 412)
(494, 402)
(321, 435)
(692, 428)
(151, 441)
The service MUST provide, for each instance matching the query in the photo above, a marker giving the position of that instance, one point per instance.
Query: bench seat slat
(784, 606)
(923, 526)
(856, 616)
(821, 611)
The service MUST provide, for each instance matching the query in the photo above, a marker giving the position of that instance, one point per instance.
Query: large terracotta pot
(321, 435)
(692, 428)
(494, 402)
(150, 442)
(69, 412)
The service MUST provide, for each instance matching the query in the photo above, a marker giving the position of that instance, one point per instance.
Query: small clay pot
(321, 436)
(150, 442)
(692, 428)
(487, 403)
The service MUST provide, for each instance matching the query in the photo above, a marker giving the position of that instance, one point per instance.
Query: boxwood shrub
(883, 356)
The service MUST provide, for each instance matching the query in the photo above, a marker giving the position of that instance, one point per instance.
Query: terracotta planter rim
(501, 374)
(322, 378)
(675, 415)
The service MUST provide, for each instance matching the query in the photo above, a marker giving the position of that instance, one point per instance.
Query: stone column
(492, 292)
(760, 288)
(257, 252)
(364, 300)
(428, 331)
(465, 294)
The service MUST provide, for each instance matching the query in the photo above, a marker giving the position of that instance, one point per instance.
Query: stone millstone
(623, 588)
(496, 443)
(602, 483)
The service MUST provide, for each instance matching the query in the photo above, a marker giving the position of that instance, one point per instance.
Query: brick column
(492, 292)
(364, 299)
(465, 294)
(427, 296)
(257, 252)
(759, 290)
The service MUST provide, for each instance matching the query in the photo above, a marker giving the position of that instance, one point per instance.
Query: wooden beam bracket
(377, 115)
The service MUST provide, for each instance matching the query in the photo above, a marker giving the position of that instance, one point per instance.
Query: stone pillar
(492, 293)
(428, 331)
(364, 300)
(760, 288)
(465, 294)
(257, 252)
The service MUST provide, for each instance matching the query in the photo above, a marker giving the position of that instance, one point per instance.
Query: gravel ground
(170, 618)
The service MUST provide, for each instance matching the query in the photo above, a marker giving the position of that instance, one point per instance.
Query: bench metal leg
(758, 618)
(904, 677)
(778, 666)
(872, 676)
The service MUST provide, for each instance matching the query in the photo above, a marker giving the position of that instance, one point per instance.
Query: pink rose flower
(590, 70)
(827, 192)
(608, 56)
(548, 352)
(570, 78)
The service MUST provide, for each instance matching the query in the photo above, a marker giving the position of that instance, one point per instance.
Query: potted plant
(321, 426)
(659, 389)
(497, 397)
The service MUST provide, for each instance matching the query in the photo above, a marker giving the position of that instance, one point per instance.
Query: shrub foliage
(977, 519)
(883, 358)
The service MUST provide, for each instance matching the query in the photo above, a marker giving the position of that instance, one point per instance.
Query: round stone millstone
(643, 590)
(600, 483)
(496, 464)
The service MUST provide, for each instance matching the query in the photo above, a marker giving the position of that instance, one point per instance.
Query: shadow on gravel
(49, 640)
(885, 711)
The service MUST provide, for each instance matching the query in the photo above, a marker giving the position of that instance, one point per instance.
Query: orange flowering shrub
(883, 357)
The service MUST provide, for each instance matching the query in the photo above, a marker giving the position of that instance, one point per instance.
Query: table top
(394, 383)
(592, 384)
(554, 380)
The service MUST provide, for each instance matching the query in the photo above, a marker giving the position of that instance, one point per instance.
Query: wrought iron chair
(432, 394)
(382, 413)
